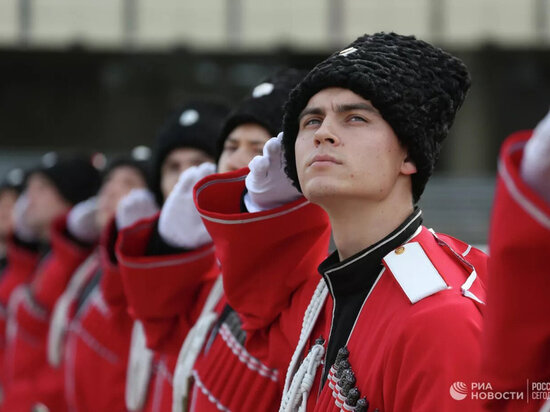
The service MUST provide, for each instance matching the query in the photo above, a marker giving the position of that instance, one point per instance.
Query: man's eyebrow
(257, 142)
(343, 108)
(310, 110)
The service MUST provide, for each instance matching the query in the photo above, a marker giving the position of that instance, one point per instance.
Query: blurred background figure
(90, 327)
(516, 348)
(187, 139)
(52, 188)
(10, 188)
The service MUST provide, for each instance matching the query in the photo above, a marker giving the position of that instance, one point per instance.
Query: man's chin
(322, 193)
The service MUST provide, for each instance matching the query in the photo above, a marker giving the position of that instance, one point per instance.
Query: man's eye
(230, 148)
(357, 119)
(171, 167)
(311, 122)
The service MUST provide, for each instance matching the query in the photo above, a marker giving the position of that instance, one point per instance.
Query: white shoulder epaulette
(414, 271)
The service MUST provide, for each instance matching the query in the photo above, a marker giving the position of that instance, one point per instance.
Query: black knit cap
(138, 159)
(417, 88)
(195, 125)
(13, 180)
(74, 176)
(264, 106)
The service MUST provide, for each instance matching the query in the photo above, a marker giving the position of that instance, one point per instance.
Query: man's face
(7, 201)
(243, 143)
(45, 204)
(345, 149)
(176, 162)
(118, 183)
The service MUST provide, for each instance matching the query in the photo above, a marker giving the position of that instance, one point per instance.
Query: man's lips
(321, 159)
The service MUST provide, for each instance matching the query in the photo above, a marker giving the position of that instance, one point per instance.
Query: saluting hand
(81, 221)
(20, 225)
(535, 165)
(268, 185)
(136, 205)
(180, 224)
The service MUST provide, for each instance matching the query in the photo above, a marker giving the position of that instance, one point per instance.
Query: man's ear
(408, 167)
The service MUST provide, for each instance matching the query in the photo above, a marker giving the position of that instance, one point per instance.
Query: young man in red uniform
(89, 329)
(393, 323)
(187, 139)
(180, 279)
(516, 348)
(31, 282)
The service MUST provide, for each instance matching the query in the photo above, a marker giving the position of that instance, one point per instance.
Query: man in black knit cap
(188, 279)
(394, 321)
(60, 182)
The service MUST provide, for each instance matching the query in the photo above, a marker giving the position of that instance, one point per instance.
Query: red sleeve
(436, 347)
(54, 275)
(165, 292)
(111, 279)
(22, 263)
(269, 259)
(517, 325)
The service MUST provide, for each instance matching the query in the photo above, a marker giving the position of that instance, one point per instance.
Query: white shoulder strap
(414, 272)
(60, 318)
(192, 346)
(140, 368)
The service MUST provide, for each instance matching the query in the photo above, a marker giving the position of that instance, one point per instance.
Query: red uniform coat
(517, 328)
(166, 293)
(405, 356)
(227, 377)
(29, 377)
(98, 342)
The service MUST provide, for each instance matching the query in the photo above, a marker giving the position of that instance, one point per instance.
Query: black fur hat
(417, 88)
(264, 106)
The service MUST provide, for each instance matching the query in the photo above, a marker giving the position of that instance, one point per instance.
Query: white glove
(136, 205)
(268, 185)
(535, 165)
(81, 221)
(180, 224)
(20, 226)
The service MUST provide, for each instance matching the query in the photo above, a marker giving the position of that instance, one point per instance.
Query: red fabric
(254, 251)
(517, 326)
(405, 357)
(159, 396)
(29, 378)
(21, 265)
(166, 293)
(50, 283)
(98, 342)
(226, 376)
